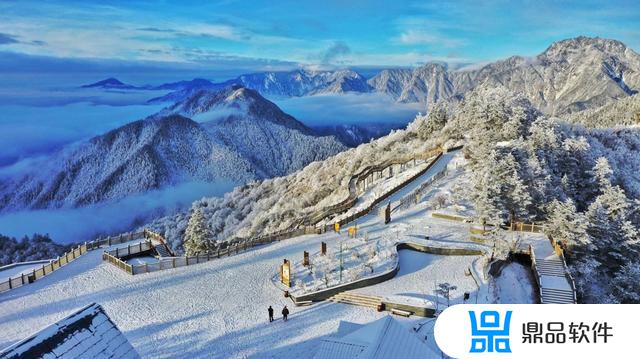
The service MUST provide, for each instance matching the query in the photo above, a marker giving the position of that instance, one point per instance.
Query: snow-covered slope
(623, 112)
(570, 75)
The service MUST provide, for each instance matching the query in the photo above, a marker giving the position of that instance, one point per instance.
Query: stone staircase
(553, 267)
(354, 298)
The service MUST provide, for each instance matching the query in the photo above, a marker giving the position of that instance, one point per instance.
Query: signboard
(336, 227)
(285, 273)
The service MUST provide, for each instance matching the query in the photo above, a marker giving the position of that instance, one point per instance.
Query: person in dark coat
(285, 313)
(270, 314)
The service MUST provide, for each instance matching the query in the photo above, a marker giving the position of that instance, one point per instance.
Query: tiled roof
(87, 333)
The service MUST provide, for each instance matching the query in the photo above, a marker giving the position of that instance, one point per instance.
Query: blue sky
(271, 35)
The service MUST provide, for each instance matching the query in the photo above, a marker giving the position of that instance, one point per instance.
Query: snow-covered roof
(87, 333)
(383, 338)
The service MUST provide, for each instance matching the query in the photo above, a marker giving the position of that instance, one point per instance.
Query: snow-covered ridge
(569, 76)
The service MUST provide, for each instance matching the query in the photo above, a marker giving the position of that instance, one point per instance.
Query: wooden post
(305, 261)
(387, 214)
(21, 278)
(323, 248)
(186, 260)
(173, 261)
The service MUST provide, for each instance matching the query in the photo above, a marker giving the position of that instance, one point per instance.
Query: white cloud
(424, 37)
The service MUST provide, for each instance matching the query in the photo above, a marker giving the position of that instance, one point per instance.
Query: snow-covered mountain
(428, 83)
(283, 84)
(571, 75)
(110, 83)
(304, 82)
(140, 156)
(275, 142)
(245, 137)
(186, 84)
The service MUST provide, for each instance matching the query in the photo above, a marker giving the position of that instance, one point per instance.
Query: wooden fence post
(186, 260)
(173, 261)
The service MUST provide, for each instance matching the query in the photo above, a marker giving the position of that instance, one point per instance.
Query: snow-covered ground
(219, 308)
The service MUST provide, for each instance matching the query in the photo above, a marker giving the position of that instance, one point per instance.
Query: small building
(383, 338)
(87, 333)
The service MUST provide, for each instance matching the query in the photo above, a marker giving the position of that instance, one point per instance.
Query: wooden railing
(373, 205)
(354, 184)
(68, 257)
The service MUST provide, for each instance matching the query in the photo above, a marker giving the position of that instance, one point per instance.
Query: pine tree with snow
(198, 238)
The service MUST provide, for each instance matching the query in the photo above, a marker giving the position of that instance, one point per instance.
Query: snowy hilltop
(244, 137)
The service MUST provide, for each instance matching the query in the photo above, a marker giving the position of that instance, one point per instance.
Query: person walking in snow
(270, 314)
(285, 313)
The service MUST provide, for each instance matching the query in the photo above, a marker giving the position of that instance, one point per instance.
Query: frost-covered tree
(566, 225)
(627, 283)
(198, 237)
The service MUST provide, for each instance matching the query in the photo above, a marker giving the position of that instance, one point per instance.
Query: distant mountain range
(113, 83)
(569, 76)
(243, 137)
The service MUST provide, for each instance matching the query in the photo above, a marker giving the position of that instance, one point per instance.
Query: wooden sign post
(323, 248)
(285, 273)
(305, 261)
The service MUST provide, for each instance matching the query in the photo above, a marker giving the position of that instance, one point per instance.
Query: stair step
(563, 298)
(368, 305)
(368, 301)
